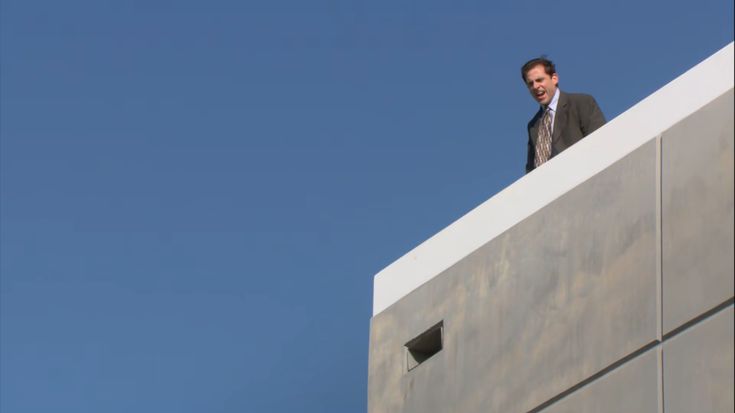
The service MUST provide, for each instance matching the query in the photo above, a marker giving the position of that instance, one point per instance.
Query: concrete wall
(616, 296)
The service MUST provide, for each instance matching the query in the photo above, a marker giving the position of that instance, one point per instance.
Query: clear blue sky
(196, 195)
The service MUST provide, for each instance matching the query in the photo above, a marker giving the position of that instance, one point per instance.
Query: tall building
(601, 282)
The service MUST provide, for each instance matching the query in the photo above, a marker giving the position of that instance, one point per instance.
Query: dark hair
(543, 61)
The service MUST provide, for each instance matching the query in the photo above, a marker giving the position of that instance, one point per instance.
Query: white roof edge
(681, 97)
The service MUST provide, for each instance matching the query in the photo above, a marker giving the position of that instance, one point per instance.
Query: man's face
(541, 85)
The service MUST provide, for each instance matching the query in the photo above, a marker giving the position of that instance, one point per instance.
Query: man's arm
(592, 118)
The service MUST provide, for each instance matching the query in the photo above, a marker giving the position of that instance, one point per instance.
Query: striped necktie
(543, 143)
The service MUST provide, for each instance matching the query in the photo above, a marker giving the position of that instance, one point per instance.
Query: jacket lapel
(560, 119)
(535, 126)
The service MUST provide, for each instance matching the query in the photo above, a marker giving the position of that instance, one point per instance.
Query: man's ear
(555, 79)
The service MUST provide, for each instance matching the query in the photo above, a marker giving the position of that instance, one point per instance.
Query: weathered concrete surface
(632, 387)
(553, 300)
(697, 212)
(698, 367)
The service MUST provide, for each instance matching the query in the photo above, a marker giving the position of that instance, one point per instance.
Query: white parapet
(683, 96)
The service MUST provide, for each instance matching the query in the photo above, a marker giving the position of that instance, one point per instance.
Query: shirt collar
(554, 101)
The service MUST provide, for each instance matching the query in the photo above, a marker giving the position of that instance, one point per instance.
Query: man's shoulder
(535, 118)
(578, 98)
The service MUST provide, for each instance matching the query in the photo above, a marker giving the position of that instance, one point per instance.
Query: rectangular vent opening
(425, 345)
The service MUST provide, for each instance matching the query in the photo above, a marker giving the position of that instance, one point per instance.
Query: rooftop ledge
(649, 118)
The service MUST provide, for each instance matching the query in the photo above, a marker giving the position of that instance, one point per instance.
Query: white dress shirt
(552, 108)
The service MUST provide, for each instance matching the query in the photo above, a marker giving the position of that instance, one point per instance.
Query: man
(562, 119)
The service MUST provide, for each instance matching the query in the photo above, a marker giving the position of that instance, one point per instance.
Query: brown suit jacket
(577, 116)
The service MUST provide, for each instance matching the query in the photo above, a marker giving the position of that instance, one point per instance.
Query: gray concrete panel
(697, 212)
(545, 305)
(632, 387)
(698, 367)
